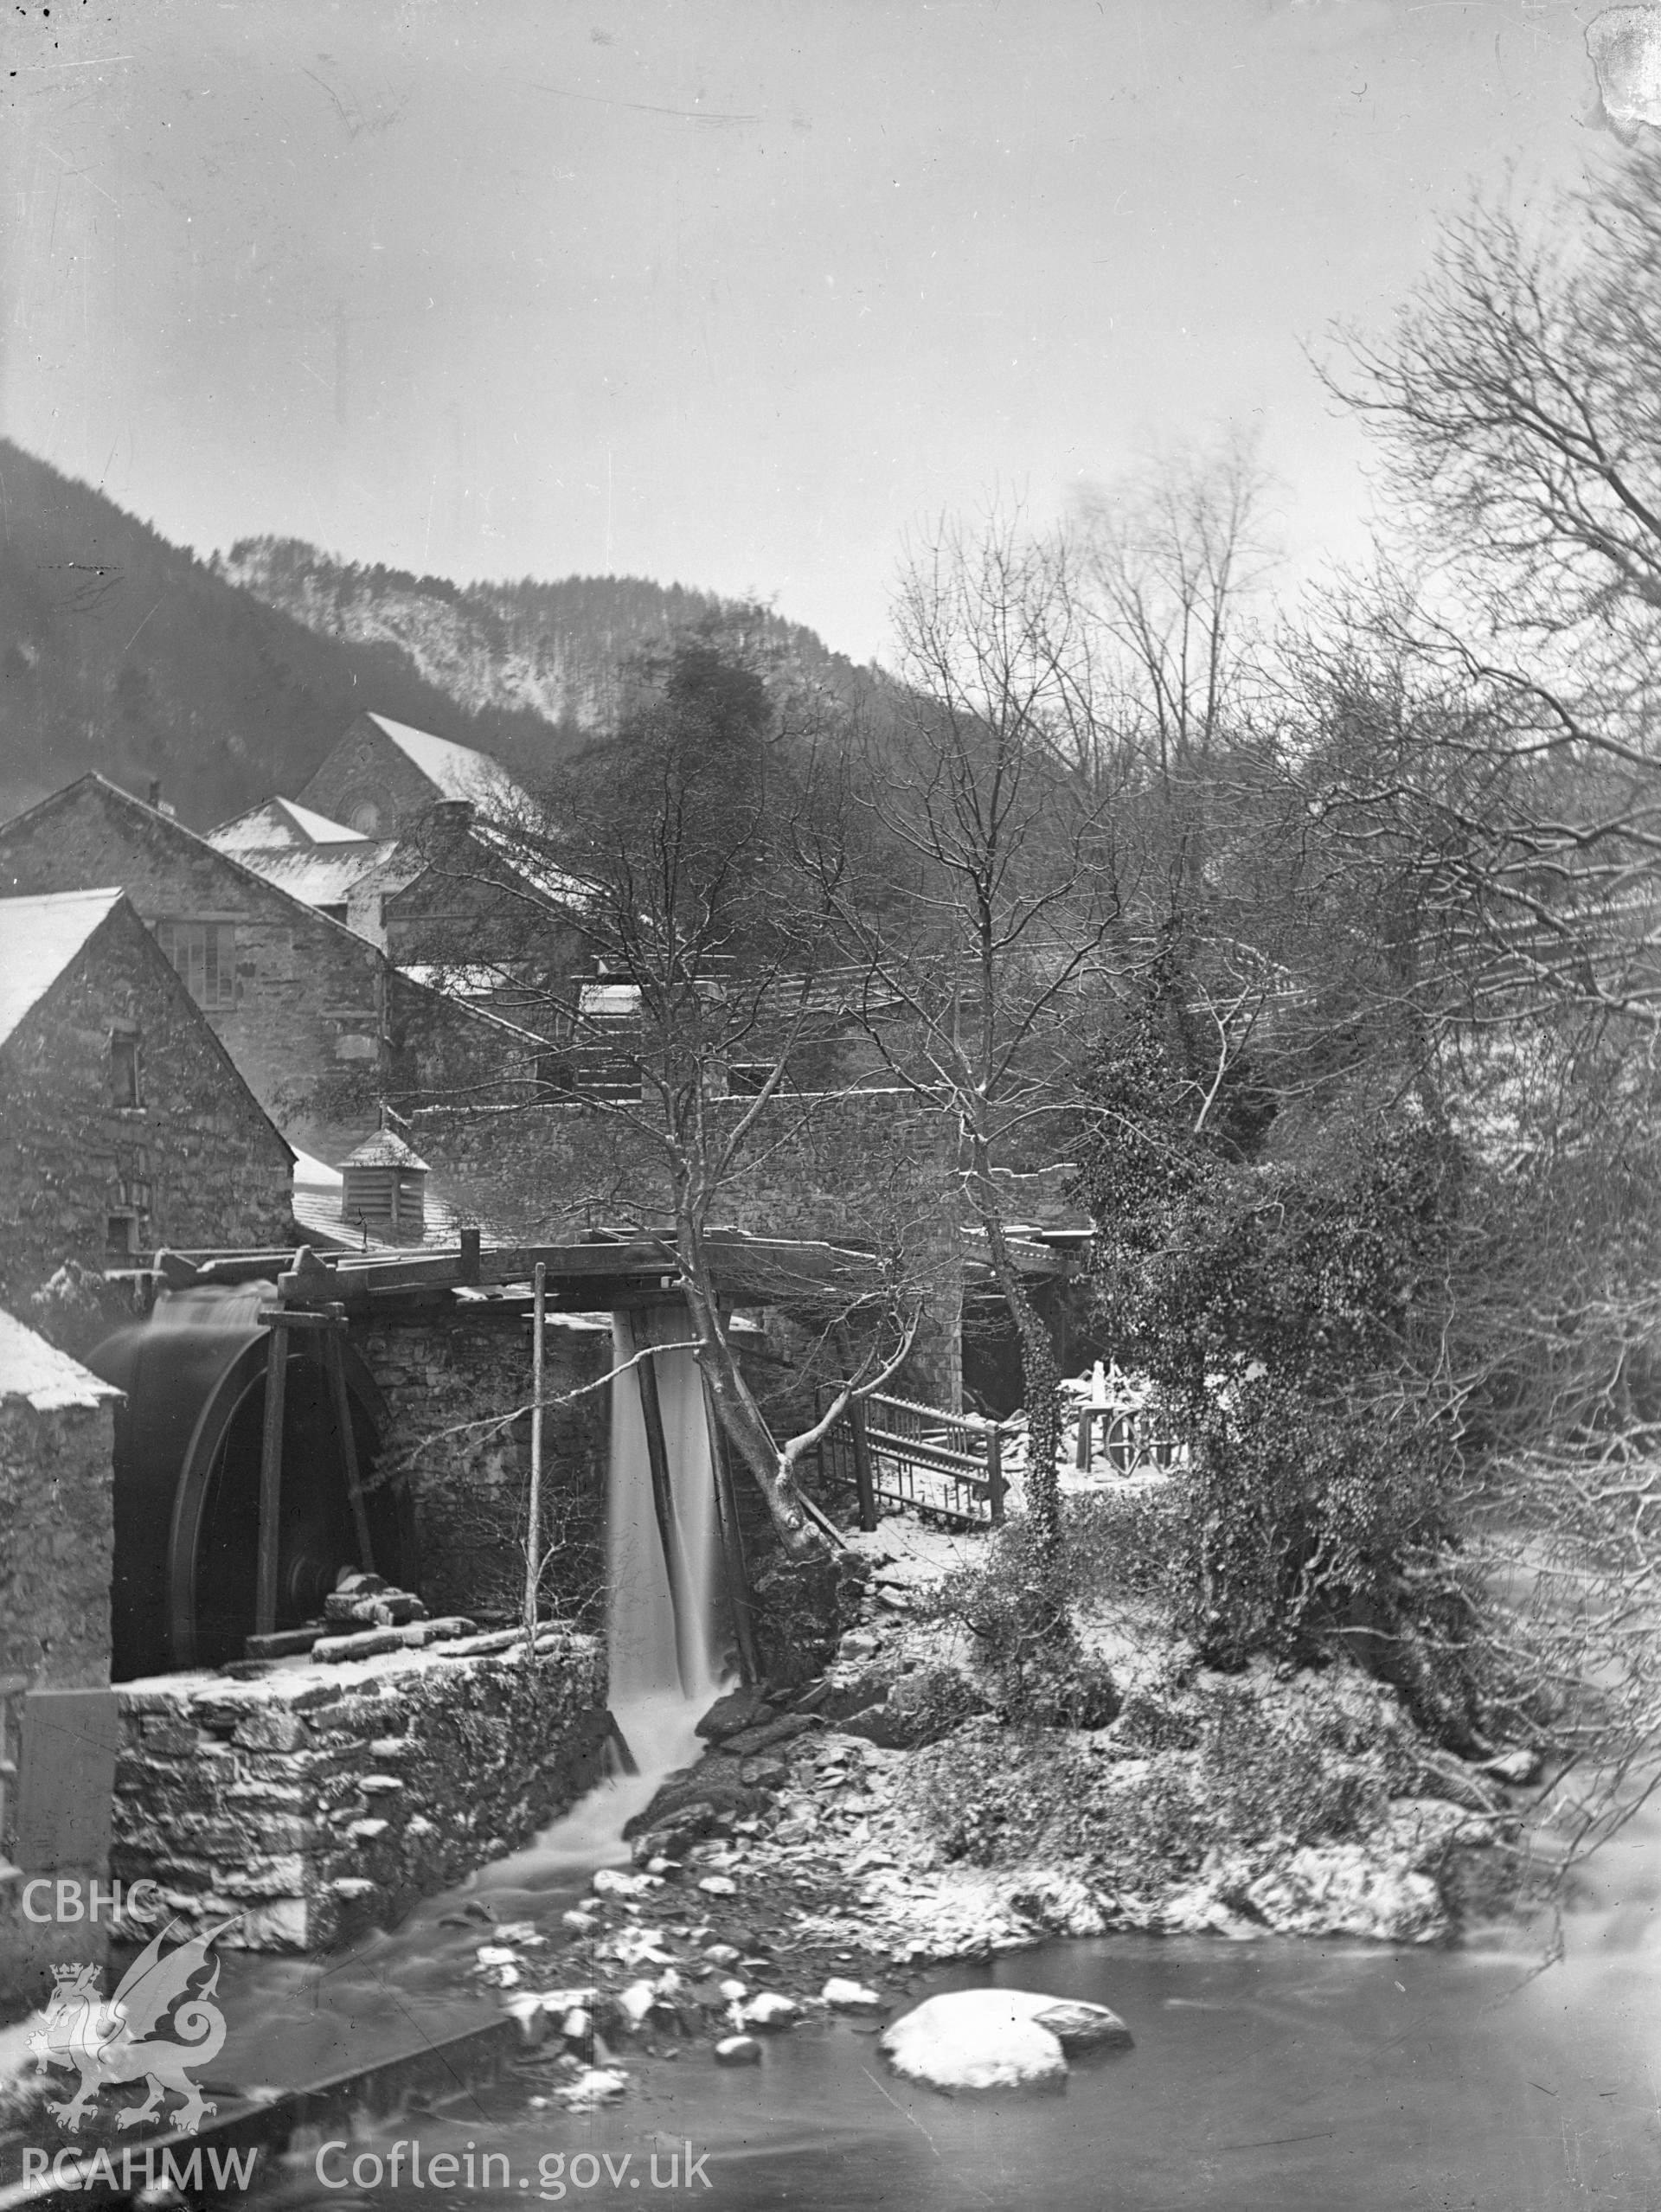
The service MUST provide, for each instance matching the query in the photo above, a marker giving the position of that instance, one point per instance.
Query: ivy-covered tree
(1281, 1277)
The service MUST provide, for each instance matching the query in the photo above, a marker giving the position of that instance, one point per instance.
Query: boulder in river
(739, 1708)
(976, 2041)
(738, 2050)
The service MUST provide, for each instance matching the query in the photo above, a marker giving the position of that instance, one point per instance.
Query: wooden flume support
(734, 1567)
(336, 1364)
(280, 1321)
(663, 1496)
(271, 1479)
(534, 1508)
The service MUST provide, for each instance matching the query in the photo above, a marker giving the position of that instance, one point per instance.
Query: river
(1276, 2073)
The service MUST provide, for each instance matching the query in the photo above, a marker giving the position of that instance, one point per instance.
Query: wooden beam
(663, 1498)
(734, 1566)
(271, 1483)
(533, 1525)
(334, 1361)
(863, 1482)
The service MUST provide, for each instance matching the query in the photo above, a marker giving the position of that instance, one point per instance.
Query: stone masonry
(451, 1376)
(315, 1801)
(317, 1022)
(56, 1543)
(195, 1162)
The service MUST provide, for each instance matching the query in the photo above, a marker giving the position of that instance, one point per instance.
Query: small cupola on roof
(384, 1188)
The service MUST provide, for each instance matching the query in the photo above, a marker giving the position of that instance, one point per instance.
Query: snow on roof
(319, 827)
(321, 876)
(39, 1373)
(316, 1174)
(457, 770)
(385, 1150)
(460, 979)
(553, 883)
(39, 937)
(609, 998)
(280, 822)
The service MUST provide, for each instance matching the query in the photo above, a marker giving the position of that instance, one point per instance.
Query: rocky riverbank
(837, 1837)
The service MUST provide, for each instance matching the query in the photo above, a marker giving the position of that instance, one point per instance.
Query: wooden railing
(913, 1455)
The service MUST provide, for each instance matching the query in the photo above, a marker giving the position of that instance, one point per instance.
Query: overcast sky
(730, 292)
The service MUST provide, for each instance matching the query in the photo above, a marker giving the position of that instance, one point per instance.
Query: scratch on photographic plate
(901, 2109)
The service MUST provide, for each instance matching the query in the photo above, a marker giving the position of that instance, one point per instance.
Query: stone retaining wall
(315, 1801)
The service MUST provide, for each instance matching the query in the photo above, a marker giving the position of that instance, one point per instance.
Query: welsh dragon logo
(133, 2038)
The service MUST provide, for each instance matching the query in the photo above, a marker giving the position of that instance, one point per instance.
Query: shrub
(1044, 1677)
(1269, 1770)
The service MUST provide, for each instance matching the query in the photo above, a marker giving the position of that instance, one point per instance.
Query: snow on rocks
(595, 2085)
(1328, 1888)
(770, 2009)
(612, 1881)
(976, 2041)
(1061, 1903)
(719, 1885)
(738, 2050)
(979, 2039)
(844, 1995)
(636, 1946)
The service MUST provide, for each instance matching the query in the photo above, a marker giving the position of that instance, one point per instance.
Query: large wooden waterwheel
(189, 1450)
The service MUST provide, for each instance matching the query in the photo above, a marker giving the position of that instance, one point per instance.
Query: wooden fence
(907, 1454)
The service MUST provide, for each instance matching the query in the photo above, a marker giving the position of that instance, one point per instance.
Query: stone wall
(196, 1163)
(369, 783)
(315, 1801)
(311, 1029)
(451, 1375)
(57, 1546)
(57, 1551)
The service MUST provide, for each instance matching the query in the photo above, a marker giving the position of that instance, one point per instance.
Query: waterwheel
(188, 1450)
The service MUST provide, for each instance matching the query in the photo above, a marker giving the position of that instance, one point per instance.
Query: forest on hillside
(228, 682)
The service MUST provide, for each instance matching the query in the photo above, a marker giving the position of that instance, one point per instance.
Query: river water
(1293, 2077)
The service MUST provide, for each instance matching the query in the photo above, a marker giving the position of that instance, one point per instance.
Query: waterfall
(662, 1644)
(212, 1306)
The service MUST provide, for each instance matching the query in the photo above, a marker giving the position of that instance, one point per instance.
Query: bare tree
(1516, 404)
(981, 925)
(1172, 558)
(678, 1066)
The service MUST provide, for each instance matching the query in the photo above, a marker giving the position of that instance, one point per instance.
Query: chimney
(449, 822)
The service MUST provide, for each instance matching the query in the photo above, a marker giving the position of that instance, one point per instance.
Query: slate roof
(320, 874)
(317, 1203)
(385, 1150)
(455, 771)
(39, 937)
(281, 822)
